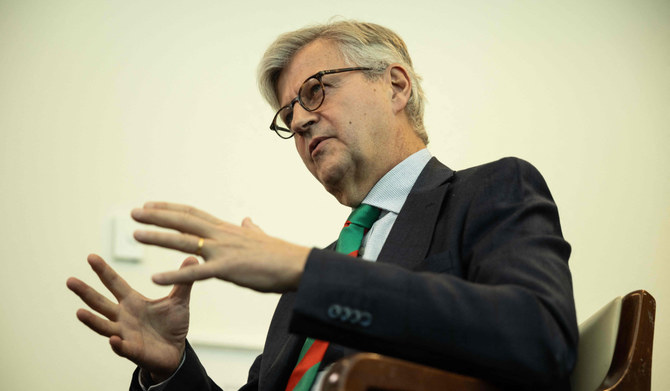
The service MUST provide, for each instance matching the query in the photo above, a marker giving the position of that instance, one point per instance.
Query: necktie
(349, 242)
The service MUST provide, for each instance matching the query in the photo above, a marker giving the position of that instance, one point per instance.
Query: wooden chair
(614, 354)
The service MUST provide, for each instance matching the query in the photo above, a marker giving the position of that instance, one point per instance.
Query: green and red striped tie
(349, 242)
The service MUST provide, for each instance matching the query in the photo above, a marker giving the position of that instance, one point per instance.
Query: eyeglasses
(310, 96)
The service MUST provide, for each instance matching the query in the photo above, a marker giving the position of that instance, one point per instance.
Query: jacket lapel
(410, 238)
(281, 350)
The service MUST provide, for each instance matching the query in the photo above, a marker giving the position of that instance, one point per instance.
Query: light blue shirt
(389, 195)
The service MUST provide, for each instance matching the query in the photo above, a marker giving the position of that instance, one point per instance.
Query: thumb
(123, 348)
(247, 223)
(183, 291)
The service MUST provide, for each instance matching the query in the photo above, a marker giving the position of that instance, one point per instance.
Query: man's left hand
(244, 255)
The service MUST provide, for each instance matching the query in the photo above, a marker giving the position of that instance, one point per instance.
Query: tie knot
(364, 215)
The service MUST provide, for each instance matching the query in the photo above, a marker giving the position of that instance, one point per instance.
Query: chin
(331, 169)
(330, 176)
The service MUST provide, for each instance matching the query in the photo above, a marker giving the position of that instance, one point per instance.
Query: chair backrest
(597, 338)
(619, 338)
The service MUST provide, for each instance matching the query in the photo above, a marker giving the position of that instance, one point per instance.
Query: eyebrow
(281, 106)
(298, 92)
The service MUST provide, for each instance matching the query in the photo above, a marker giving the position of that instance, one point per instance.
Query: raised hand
(150, 333)
(244, 254)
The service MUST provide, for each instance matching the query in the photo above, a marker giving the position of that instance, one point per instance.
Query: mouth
(315, 143)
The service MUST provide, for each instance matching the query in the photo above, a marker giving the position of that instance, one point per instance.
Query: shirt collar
(391, 191)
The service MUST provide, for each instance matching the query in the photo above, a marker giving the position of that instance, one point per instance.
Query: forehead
(314, 57)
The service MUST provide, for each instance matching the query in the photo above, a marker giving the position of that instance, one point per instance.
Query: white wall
(105, 105)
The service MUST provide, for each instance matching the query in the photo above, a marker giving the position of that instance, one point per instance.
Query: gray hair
(361, 44)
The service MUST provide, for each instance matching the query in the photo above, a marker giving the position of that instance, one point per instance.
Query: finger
(101, 326)
(184, 208)
(186, 275)
(117, 285)
(247, 223)
(177, 220)
(92, 298)
(182, 242)
(183, 291)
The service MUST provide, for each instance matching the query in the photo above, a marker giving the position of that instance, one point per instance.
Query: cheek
(302, 150)
(299, 145)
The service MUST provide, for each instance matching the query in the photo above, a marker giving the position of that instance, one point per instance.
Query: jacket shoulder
(509, 171)
(506, 164)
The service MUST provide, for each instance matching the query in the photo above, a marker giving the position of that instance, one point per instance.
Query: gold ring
(201, 242)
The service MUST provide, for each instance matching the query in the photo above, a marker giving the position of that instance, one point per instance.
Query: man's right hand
(150, 333)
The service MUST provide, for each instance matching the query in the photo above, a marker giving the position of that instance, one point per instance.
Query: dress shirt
(389, 195)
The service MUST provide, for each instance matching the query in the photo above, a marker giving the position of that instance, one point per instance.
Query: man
(469, 269)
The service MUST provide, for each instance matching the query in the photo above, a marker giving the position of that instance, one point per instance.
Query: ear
(401, 87)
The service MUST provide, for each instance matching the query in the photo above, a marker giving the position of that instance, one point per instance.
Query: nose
(303, 119)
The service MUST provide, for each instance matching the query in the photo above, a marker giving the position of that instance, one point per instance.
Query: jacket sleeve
(192, 376)
(492, 299)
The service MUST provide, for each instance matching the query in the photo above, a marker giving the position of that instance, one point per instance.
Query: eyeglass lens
(311, 96)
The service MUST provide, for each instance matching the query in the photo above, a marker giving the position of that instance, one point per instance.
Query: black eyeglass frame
(280, 130)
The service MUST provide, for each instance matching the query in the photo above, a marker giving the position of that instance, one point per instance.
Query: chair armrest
(370, 371)
(631, 365)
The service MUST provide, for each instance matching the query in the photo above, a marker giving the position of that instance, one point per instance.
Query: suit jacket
(472, 278)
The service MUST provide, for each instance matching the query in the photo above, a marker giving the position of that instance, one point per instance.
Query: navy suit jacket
(473, 278)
